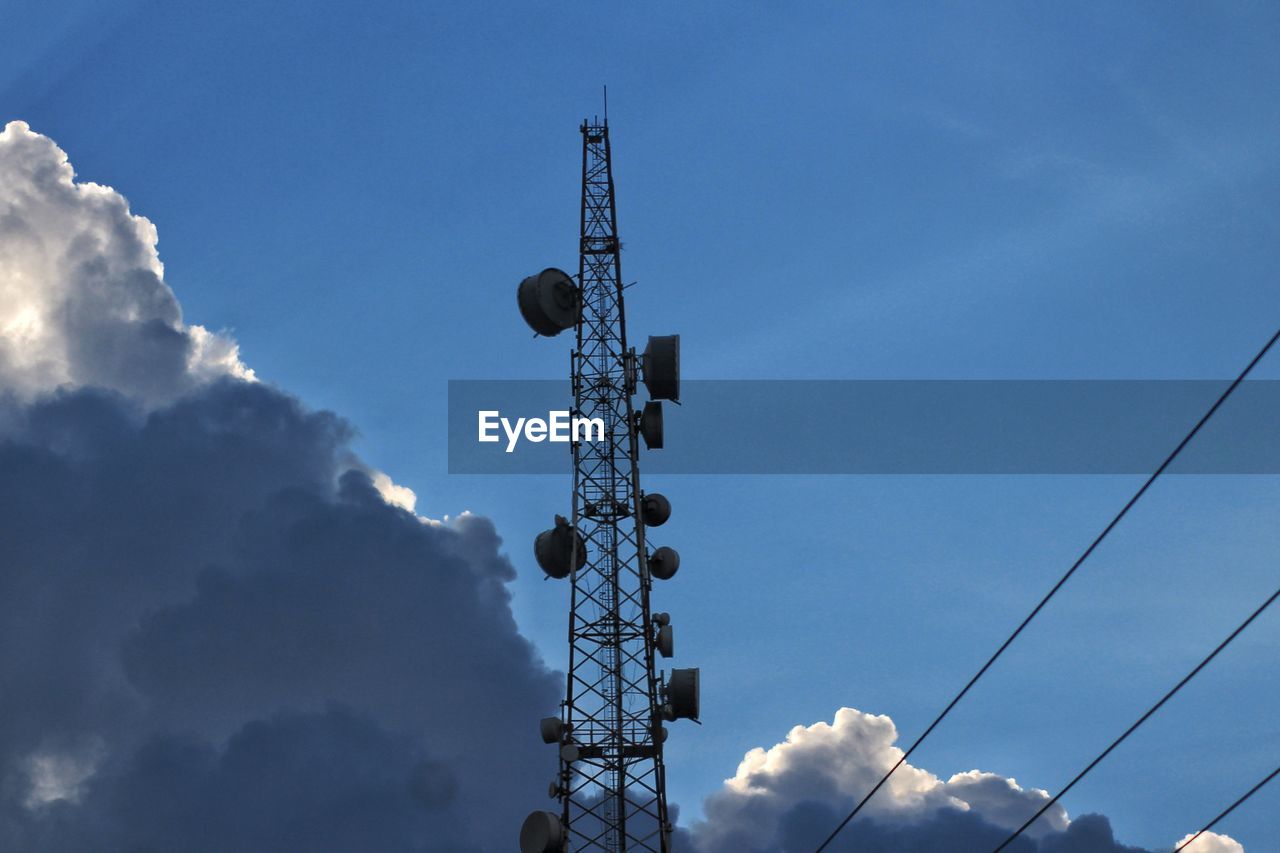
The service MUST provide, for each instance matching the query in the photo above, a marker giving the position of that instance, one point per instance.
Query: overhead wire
(1229, 809)
(1222, 398)
(1138, 723)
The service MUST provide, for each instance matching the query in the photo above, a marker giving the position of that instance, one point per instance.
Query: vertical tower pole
(611, 784)
(615, 796)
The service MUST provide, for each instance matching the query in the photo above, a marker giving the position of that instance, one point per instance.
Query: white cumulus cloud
(834, 764)
(789, 796)
(392, 492)
(1211, 842)
(83, 300)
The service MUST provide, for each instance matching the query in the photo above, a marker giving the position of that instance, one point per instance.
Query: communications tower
(611, 783)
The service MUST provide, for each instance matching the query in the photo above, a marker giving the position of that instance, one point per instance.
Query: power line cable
(1054, 590)
(1229, 809)
(1133, 728)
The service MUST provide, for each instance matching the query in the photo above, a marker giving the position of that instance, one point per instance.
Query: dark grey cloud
(806, 825)
(329, 780)
(218, 629)
(219, 636)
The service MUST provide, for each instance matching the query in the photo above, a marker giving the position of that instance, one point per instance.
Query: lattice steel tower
(611, 783)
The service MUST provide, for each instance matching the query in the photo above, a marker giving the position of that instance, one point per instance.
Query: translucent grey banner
(897, 427)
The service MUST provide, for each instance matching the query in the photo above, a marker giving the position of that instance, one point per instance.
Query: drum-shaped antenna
(655, 509)
(542, 833)
(666, 642)
(663, 563)
(551, 729)
(660, 365)
(548, 302)
(651, 425)
(683, 694)
(554, 549)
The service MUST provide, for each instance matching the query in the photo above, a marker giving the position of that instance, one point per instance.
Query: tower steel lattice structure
(611, 783)
(616, 795)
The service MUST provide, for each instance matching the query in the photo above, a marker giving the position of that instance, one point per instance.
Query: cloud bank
(219, 630)
(790, 797)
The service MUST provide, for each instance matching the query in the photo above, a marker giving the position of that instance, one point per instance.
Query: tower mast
(612, 691)
(611, 784)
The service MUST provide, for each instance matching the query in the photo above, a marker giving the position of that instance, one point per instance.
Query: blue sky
(837, 191)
